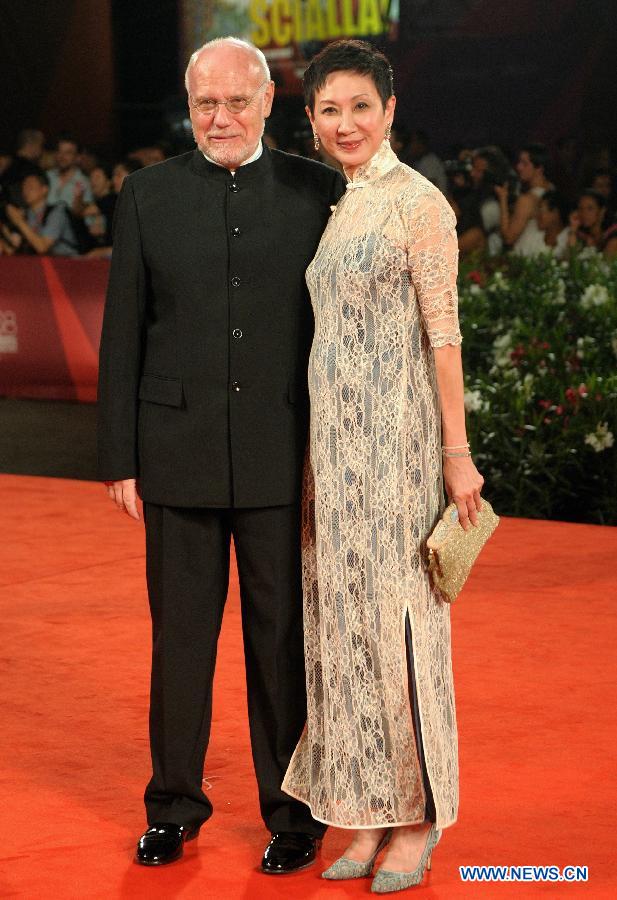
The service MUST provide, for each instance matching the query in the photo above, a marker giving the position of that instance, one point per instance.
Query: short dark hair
(41, 177)
(602, 172)
(421, 136)
(348, 56)
(555, 200)
(65, 137)
(599, 198)
(28, 136)
(129, 163)
(104, 167)
(497, 162)
(538, 155)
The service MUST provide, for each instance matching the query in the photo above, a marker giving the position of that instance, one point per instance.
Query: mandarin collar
(252, 158)
(246, 173)
(376, 167)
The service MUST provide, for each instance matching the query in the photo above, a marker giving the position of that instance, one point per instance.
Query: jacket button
(235, 281)
(237, 333)
(233, 187)
(235, 231)
(235, 386)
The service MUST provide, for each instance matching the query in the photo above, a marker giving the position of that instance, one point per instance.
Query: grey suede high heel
(344, 868)
(384, 881)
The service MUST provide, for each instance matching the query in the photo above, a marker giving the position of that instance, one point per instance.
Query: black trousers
(187, 562)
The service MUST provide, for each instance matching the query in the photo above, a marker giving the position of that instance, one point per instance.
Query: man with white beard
(203, 404)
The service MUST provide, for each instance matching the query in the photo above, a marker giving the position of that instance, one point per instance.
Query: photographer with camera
(472, 196)
(519, 227)
(464, 201)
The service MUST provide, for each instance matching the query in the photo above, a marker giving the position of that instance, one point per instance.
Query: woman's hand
(502, 191)
(463, 484)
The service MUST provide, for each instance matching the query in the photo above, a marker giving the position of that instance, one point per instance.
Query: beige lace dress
(383, 287)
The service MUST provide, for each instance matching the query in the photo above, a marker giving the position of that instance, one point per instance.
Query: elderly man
(203, 398)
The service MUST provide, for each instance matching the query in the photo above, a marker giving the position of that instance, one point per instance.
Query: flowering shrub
(540, 356)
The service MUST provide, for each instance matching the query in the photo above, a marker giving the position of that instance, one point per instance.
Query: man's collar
(250, 171)
(252, 158)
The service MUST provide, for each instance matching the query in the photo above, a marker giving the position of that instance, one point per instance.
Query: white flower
(502, 347)
(594, 295)
(588, 253)
(600, 439)
(559, 297)
(473, 401)
(526, 385)
(475, 289)
(583, 344)
(499, 282)
(528, 381)
(604, 266)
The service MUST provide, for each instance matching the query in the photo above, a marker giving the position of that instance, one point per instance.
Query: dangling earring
(388, 131)
(316, 139)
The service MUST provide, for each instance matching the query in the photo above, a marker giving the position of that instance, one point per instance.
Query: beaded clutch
(452, 551)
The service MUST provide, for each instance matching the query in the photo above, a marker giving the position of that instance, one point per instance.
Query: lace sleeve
(433, 264)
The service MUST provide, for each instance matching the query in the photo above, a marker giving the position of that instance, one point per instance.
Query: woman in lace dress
(379, 753)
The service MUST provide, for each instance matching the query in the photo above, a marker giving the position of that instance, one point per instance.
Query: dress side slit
(430, 804)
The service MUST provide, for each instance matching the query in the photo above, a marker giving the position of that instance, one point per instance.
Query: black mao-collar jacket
(207, 329)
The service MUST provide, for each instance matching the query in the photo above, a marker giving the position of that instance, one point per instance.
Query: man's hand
(124, 495)
(15, 214)
(9, 240)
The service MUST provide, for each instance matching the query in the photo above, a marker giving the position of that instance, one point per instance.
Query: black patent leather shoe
(163, 843)
(289, 851)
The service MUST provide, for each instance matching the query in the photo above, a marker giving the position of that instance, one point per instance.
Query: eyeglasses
(234, 105)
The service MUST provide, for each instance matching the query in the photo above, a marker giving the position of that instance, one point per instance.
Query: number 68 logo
(8, 322)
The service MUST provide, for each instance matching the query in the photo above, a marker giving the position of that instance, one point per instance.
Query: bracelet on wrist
(457, 447)
(457, 455)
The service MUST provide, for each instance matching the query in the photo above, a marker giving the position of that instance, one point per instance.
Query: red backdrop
(50, 323)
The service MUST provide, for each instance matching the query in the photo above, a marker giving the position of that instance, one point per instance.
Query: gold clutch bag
(452, 551)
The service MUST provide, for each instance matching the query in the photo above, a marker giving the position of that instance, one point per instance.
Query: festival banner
(289, 32)
(51, 311)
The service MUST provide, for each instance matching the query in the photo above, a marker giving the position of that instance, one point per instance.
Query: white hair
(259, 58)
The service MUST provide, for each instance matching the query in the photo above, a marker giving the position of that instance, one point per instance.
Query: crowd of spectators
(62, 201)
(537, 204)
(529, 203)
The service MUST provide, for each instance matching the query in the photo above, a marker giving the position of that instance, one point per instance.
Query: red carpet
(534, 656)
